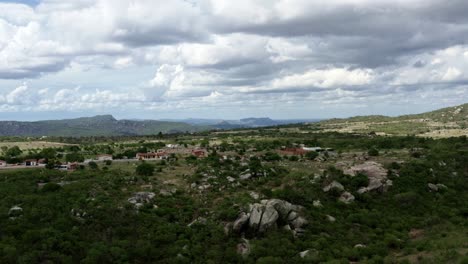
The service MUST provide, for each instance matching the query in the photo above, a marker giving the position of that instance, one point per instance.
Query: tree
(373, 152)
(74, 157)
(145, 169)
(14, 151)
(311, 155)
(48, 153)
(93, 165)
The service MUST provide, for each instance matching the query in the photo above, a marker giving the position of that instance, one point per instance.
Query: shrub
(93, 165)
(145, 169)
(373, 152)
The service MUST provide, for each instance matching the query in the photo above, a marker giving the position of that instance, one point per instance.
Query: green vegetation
(176, 210)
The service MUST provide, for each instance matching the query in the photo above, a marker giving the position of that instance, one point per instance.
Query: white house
(30, 162)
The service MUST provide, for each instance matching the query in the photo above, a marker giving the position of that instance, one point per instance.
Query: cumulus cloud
(224, 53)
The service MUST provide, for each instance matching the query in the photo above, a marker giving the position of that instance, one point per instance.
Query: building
(3, 163)
(151, 155)
(72, 166)
(104, 157)
(293, 151)
(199, 153)
(31, 162)
(42, 161)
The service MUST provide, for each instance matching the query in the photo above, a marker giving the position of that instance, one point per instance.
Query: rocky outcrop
(376, 174)
(140, 198)
(268, 215)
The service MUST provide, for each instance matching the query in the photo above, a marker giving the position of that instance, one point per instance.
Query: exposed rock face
(376, 173)
(346, 198)
(268, 215)
(140, 198)
(334, 185)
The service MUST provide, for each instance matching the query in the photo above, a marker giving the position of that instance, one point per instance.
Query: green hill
(104, 125)
(446, 122)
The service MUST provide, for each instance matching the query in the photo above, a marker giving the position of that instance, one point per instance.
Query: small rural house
(199, 153)
(151, 155)
(31, 162)
(3, 163)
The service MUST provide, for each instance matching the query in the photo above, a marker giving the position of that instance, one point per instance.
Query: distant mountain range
(242, 123)
(107, 125)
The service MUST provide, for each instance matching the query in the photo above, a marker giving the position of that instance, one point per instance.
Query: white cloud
(328, 78)
(451, 74)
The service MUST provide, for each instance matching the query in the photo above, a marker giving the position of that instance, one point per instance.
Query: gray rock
(298, 222)
(230, 179)
(334, 185)
(268, 221)
(243, 248)
(317, 203)
(432, 187)
(441, 186)
(15, 212)
(346, 198)
(140, 198)
(309, 254)
(254, 195)
(245, 176)
(198, 220)
(240, 222)
(331, 218)
(256, 212)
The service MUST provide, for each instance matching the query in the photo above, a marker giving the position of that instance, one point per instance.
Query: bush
(373, 152)
(311, 155)
(93, 165)
(51, 187)
(145, 169)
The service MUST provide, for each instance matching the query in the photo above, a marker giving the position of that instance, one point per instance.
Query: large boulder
(376, 174)
(268, 215)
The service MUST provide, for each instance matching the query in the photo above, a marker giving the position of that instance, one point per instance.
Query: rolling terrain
(446, 122)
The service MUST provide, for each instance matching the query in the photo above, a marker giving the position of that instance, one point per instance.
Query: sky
(223, 59)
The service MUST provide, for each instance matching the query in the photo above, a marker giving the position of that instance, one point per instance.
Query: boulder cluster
(270, 214)
(140, 198)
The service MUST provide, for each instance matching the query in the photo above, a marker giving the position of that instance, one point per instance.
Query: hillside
(104, 125)
(446, 122)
